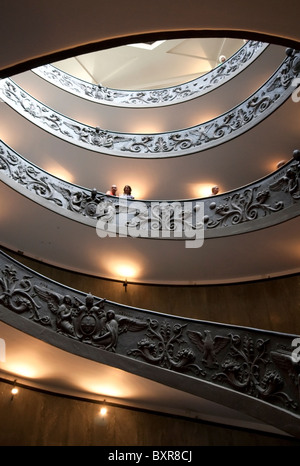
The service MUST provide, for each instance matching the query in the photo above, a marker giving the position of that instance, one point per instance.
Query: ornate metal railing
(155, 97)
(177, 143)
(230, 364)
(268, 201)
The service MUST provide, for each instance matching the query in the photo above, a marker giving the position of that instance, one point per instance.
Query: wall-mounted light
(126, 271)
(14, 390)
(280, 164)
(103, 409)
(206, 190)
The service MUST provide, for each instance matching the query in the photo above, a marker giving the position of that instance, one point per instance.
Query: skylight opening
(147, 45)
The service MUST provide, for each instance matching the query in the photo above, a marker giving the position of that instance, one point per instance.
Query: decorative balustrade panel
(268, 201)
(260, 364)
(155, 97)
(174, 143)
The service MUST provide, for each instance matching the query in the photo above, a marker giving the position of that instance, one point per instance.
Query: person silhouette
(112, 191)
(127, 192)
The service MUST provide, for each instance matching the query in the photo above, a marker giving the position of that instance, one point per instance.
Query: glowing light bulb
(126, 271)
(103, 411)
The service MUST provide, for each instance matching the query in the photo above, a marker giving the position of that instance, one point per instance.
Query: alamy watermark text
(136, 219)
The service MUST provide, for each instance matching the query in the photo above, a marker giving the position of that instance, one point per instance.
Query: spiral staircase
(90, 108)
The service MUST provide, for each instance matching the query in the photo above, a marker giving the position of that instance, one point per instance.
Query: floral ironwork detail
(166, 216)
(258, 201)
(252, 362)
(246, 369)
(152, 218)
(290, 181)
(80, 201)
(290, 367)
(242, 207)
(164, 346)
(155, 97)
(190, 140)
(275, 193)
(16, 295)
(62, 194)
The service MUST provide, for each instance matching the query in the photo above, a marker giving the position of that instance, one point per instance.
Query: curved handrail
(268, 201)
(155, 97)
(170, 144)
(258, 370)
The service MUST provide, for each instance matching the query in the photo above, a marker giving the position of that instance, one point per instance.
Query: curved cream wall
(80, 25)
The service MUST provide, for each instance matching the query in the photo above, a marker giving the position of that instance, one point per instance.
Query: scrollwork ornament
(189, 140)
(8, 160)
(288, 366)
(250, 362)
(289, 182)
(16, 295)
(165, 218)
(27, 175)
(240, 207)
(246, 369)
(163, 345)
(155, 97)
(275, 193)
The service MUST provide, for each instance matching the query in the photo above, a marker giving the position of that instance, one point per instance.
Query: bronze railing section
(256, 370)
(268, 201)
(180, 142)
(155, 97)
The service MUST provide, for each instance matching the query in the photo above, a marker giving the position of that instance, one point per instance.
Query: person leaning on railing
(127, 192)
(113, 190)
